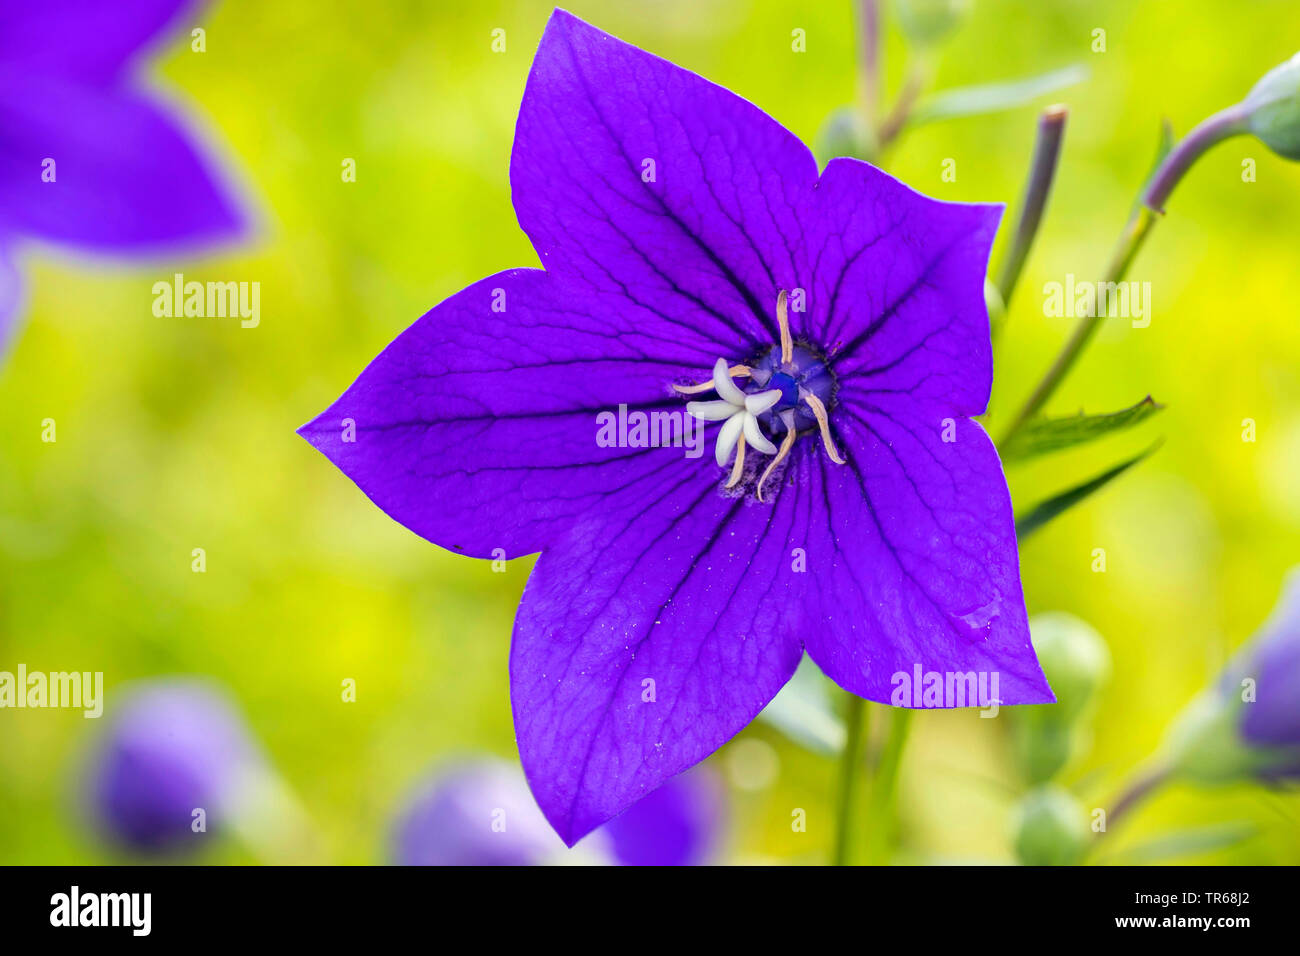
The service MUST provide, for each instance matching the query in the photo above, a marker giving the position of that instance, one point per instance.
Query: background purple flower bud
(1273, 660)
(477, 813)
(481, 813)
(171, 747)
(1248, 725)
(678, 825)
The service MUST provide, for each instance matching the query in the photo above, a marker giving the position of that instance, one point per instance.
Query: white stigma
(739, 414)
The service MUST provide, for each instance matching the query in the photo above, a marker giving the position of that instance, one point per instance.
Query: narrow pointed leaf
(1055, 434)
(1029, 522)
(994, 97)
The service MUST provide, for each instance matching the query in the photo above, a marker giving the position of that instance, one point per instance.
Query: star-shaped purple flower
(86, 159)
(686, 234)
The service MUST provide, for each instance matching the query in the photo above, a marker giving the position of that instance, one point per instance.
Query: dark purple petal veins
(648, 636)
(476, 428)
(632, 175)
(917, 561)
(897, 287)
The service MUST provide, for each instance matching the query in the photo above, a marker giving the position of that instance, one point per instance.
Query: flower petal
(760, 402)
(711, 411)
(755, 437)
(11, 291)
(123, 174)
(728, 437)
(87, 39)
(638, 176)
(647, 637)
(917, 563)
(478, 426)
(897, 287)
(727, 390)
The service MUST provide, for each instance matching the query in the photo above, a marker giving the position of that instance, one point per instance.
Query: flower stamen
(783, 320)
(819, 410)
(738, 468)
(786, 444)
(738, 411)
(736, 371)
(796, 386)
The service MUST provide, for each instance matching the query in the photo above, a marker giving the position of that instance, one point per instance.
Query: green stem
(855, 722)
(869, 74)
(1042, 170)
(1135, 233)
(1139, 788)
(894, 122)
(1220, 126)
(884, 789)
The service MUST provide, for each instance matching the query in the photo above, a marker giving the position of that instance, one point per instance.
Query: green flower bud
(1074, 657)
(1077, 662)
(926, 22)
(845, 133)
(1044, 743)
(1273, 109)
(1051, 828)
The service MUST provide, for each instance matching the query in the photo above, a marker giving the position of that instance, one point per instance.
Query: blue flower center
(788, 390)
(806, 373)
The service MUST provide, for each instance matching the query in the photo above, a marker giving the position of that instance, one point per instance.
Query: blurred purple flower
(480, 813)
(685, 232)
(171, 747)
(1272, 660)
(677, 825)
(1247, 724)
(87, 160)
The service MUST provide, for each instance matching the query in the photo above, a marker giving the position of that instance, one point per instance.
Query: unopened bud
(1051, 828)
(1273, 109)
(926, 22)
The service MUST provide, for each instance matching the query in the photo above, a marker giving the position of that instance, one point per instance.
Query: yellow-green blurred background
(178, 433)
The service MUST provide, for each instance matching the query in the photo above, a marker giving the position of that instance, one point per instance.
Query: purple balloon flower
(86, 159)
(841, 317)
(172, 747)
(480, 813)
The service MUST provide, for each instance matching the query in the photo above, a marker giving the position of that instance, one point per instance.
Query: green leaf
(1043, 512)
(1217, 836)
(804, 713)
(994, 97)
(1045, 435)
